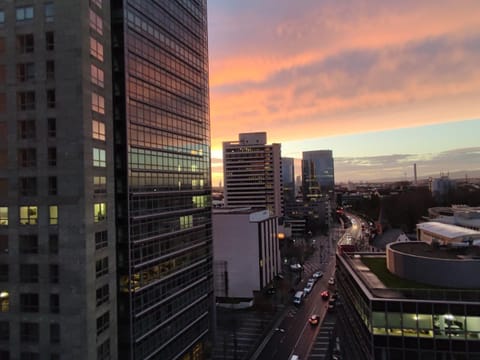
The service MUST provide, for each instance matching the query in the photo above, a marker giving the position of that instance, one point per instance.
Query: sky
(382, 83)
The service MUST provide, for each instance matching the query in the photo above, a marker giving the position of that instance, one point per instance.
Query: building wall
(250, 250)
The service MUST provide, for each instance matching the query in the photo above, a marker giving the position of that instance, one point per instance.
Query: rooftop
(443, 252)
(447, 230)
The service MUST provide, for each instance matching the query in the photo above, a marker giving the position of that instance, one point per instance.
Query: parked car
(271, 290)
(296, 267)
(325, 294)
(331, 281)
(311, 281)
(317, 275)
(314, 319)
(308, 288)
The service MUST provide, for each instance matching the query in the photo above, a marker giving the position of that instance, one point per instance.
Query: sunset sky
(382, 83)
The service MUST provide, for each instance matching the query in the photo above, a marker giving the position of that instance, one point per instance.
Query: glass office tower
(162, 178)
(105, 222)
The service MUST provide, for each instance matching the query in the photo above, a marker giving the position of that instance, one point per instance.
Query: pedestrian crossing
(320, 348)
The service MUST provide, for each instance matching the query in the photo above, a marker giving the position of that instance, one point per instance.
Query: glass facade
(317, 173)
(401, 327)
(163, 186)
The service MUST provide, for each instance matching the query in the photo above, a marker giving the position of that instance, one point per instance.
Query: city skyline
(378, 83)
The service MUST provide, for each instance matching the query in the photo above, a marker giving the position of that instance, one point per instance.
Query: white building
(445, 234)
(252, 173)
(245, 251)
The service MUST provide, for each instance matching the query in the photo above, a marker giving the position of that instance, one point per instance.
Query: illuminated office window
(99, 212)
(53, 214)
(28, 215)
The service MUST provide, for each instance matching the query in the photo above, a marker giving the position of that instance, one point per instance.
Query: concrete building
(105, 220)
(460, 215)
(391, 308)
(246, 251)
(445, 234)
(252, 173)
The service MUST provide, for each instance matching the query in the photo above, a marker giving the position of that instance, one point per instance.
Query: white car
(308, 288)
(317, 275)
(331, 281)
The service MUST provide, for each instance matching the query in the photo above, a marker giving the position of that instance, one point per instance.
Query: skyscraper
(317, 173)
(252, 173)
(105, 222)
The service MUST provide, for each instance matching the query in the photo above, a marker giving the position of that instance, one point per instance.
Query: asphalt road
(294, 334)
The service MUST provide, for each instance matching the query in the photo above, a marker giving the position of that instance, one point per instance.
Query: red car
(314, 319)
(325, 294)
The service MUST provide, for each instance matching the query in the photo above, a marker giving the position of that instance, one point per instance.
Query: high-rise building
(252, 173)
(317, 173)
(288, 180)
(105, 220)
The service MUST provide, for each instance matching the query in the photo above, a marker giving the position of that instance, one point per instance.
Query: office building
(317, 174)
(105, 225)
(414, 302)
(252, 172)
(246, 251)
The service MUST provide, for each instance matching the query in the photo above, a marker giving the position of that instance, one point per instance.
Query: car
(317, 275)
(311, 281)
(308, 288)
(314, 319)
(295, 267)
(325, 294)
(331, 281)
(271, 290)
(331, 304)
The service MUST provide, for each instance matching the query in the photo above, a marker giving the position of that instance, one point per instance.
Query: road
(294, 335)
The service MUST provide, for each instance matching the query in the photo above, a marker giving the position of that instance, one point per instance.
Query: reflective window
(98, 103)
(101, 267)
(99, 157)
(24, 13)
(2, 17)
(98, 130)
(96, 22)
(49, 12)
(99, 184)
(96, 49)
(97, 75)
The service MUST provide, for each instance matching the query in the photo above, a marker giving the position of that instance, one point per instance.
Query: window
(99, 184)
(29, 332)
(101, 267)
(103, 351)
(29, 302)
(2, 45)
(29, 273)
(26, 129)
(3, 244)
(26, 100)
(97, 75)
(4, 330)
(25, 43)
(25, 72)
(96, 49)
(49, 12)
(52, 156)
(27, 157)
(28, 244)
(5, 302)
(99, 212)
(53, 215)
(3, 103)
(53, 273)
(50, 69)
(52, 127)
(102, 295)
(50, 40)
(98, 103)
(53, 244)
(101, 239)
(2, 17)
(24, 13)
(54, 303)
(3, 74)
(103, 322)
(54, 333)
(28, 186)
(3, 272)
(28, 215)
(186, 221)
(99, 157)
(51, 98)
(28, 355)
(96, 22)
(3, 215)
(98, 130)
(52, 185)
